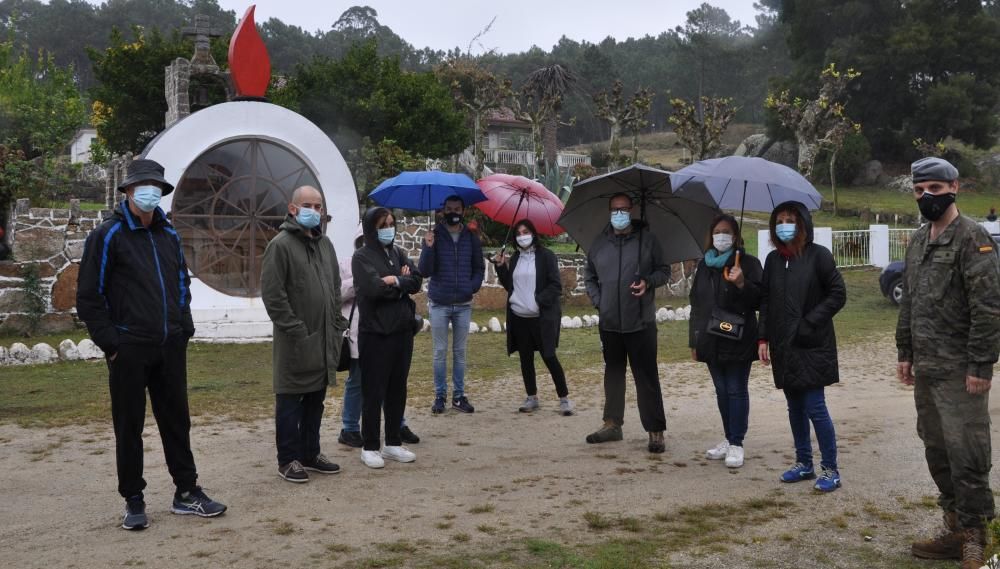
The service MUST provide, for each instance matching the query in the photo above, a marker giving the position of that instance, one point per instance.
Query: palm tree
(549, 85)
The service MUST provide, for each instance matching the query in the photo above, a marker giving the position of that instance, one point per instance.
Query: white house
(79, 147)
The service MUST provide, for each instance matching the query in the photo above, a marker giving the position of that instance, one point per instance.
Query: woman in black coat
(384, 279)
(802, 291)
(726, 286)
(534, 287)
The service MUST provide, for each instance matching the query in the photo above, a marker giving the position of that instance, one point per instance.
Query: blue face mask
(147, 197)
(785, 231)
(620, 219)
(308, 217)
(386, 235)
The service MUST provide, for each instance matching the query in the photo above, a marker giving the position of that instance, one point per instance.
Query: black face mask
(933, 206)
(453, 218)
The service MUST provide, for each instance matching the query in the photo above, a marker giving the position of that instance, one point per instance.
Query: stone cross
(203, 34)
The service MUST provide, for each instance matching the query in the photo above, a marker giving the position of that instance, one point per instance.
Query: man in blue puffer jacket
(452, 258)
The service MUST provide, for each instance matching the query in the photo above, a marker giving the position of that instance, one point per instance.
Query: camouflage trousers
(955, 428)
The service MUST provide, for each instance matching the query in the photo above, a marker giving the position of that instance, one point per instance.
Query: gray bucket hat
(145, 171)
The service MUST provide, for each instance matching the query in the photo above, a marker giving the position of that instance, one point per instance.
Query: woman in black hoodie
(726, 288)
(801, 293)
(384, 279)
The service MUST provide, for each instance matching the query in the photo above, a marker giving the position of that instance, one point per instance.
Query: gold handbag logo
(725, 326)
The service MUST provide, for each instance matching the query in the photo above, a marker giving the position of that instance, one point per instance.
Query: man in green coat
(300, 286)
(948, 338)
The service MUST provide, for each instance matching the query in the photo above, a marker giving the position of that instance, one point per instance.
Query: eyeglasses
(622, 210)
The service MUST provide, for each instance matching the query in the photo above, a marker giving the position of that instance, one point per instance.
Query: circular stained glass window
(229, 204)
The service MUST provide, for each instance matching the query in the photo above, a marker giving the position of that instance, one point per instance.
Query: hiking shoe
(372, 459)
(734, 456)
(399, 454)
(351, 439)
(973, 548)
(829, 480)
(408, 436)
(530, 405)
(462, 405)
(719, 452)
(656, 443)
(293, 472)
(946, 545)
(438, 407)
(566, 407)
(196, 503)
(135, 515)
(798, 473)
(608, 433)
(321, 464)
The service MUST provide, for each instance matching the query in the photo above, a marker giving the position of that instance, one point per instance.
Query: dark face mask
(933, 206)
(453, 218)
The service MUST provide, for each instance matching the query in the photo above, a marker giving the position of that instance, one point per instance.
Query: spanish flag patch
(985, 248)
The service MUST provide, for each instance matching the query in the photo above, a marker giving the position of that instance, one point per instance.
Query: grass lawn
(233, 381)
(85, 206)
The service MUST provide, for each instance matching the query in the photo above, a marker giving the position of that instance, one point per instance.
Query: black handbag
(345, 347)
(723, 323)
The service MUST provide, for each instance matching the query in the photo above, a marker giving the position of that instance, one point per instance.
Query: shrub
(852, 156)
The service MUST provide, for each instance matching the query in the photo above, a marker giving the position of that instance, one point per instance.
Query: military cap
(937, 169)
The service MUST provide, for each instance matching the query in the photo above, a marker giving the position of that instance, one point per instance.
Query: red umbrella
(510, 199)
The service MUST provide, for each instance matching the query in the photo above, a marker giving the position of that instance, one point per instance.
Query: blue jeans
(297, 419)
(351, 414)
(459, 316)
(731, 379)
(803, 407)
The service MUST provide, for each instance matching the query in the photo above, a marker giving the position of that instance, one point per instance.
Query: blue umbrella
(738, 182)
(426, 191)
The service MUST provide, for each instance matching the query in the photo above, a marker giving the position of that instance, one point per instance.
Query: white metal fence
(899, 239)
(852, 248)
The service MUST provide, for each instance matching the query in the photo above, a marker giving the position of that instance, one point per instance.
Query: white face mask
(524, 241)
(722, 242)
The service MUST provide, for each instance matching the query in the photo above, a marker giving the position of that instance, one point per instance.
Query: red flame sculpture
(248, 59)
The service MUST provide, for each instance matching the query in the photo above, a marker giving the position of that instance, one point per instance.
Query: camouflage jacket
(949, 316)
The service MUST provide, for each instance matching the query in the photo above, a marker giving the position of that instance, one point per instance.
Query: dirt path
(483, 483)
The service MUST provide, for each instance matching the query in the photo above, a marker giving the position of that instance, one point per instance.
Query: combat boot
(947, 545)
(973, 548)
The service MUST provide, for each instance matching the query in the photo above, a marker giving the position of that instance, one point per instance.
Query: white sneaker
(719, 452)
(734, 456)
(399, 454)
(372, 459)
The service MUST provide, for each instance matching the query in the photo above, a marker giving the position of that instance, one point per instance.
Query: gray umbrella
(681, 223)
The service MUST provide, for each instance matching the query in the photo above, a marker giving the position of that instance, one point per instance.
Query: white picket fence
(876, 246)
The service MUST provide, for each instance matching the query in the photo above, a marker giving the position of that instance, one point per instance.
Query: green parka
(300, 287)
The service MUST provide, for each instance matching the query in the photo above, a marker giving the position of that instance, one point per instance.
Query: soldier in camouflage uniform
(948, 338)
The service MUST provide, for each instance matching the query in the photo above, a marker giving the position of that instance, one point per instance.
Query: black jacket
(133, 286)
(708, 290)
(548, 291)
(382, 308)
(799, 299)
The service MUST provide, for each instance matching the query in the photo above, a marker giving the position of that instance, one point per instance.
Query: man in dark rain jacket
(300, 287)
(133, 294)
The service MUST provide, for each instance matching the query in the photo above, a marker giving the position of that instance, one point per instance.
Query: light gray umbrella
(681, 223)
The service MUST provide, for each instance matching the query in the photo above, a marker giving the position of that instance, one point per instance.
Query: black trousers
(639, 350)
(385, 361)
(162, 369)
(297, 417)
(527, 334)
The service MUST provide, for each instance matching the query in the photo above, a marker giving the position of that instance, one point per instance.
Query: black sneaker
(135, 515)
(321, 464)
(438, 406)
(196, 503)
(293, 472)
(462, 405)
(408, 436)
(351, 438)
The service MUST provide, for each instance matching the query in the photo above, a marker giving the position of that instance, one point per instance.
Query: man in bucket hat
(133, 293)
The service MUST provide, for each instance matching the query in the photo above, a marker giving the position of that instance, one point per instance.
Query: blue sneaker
(196, 503)
(829, 480)
(798, 473)
(438, 406)
(135, 514)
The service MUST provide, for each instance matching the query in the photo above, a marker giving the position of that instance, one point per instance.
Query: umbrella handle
(511, 228)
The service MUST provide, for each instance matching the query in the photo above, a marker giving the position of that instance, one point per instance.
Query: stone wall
(52, 241)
